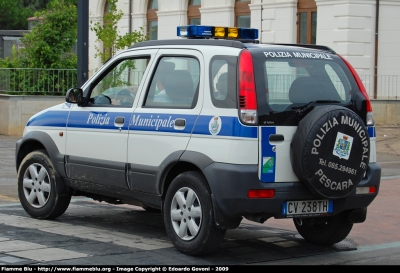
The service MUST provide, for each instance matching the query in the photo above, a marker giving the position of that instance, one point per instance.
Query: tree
(36, 5)
(13, 15)
(48, 46)
(50, 42)
(12, 61)
(107, 34)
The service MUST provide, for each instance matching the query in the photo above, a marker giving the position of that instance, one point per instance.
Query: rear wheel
(324, 230)
(40, 189)
(189, 217)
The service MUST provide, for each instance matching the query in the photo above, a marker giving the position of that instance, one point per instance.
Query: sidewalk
(8, 173)
(388, 150)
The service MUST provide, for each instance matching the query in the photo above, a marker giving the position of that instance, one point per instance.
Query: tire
(330, 151)
(188, 216)
(41, 191)
(324, 230)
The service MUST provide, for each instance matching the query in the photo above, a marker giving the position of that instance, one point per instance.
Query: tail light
(247, 89)
(370, 116)
(261, 194)
(366, 190)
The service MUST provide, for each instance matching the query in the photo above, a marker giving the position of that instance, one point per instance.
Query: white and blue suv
(209, 129)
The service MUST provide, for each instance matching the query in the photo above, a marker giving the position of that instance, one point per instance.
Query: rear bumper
(230, 183)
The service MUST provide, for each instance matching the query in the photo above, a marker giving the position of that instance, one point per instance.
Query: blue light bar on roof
(196, 31)
(248, 33)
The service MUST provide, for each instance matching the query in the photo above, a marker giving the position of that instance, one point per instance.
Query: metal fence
(387, 86)
(36, 81)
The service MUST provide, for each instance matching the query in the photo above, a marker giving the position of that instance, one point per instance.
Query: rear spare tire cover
(330, 151)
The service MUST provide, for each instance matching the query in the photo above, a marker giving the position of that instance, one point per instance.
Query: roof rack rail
(215, 42)
(320, 47)
(247, 41)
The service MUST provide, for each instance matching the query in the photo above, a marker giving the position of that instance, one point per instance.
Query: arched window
(242, 13)
(106, 8)
(306, 22)
(107, 51)
(152, 20)
(194, 16)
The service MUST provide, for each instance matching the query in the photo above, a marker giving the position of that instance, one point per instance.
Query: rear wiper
(304, 109)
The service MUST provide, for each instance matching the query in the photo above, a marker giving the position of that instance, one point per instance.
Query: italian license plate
(307, 208)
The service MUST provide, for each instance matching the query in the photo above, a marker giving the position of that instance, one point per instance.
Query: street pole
(83, 41)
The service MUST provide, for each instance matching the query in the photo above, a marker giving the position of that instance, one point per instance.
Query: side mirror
(74, 95)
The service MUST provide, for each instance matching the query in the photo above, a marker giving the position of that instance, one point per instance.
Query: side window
(339, 80)
(118, 86)
(223, 81)
(174, 83)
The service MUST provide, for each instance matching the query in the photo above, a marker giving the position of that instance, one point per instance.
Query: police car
(208, 129)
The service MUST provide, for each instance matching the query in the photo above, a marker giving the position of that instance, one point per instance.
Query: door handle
(274, 137)
(179, 124)
(119, 121)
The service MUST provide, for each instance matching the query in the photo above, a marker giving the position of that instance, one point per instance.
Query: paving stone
(48, 254)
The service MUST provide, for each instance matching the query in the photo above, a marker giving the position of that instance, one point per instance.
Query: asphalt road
(98, 233)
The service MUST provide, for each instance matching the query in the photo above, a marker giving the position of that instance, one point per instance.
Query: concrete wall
(278, 21)
(15, 111)
(389, 37)
(348, 27)
(386, 112)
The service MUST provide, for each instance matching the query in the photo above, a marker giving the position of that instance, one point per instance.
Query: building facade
(365, 32)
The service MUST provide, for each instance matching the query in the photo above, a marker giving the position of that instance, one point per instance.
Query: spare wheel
(330, 151)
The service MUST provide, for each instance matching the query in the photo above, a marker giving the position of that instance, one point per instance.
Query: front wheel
(188, 216)
(40, 189)
(324, 230)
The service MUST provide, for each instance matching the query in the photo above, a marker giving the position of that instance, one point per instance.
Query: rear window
(291, 79)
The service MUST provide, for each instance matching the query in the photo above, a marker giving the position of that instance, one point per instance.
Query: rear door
(289, 80)
(162, 124)
(274, 160)
(277, 126)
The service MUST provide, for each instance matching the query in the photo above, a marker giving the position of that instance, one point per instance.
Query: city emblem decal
(215, 125)
(342, 146)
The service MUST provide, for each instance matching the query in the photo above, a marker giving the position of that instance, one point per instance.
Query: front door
(97, 133)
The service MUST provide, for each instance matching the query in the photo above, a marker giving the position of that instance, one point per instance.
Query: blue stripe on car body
(231, 126)
(50, 119)
(371, 131)
(267, 163)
